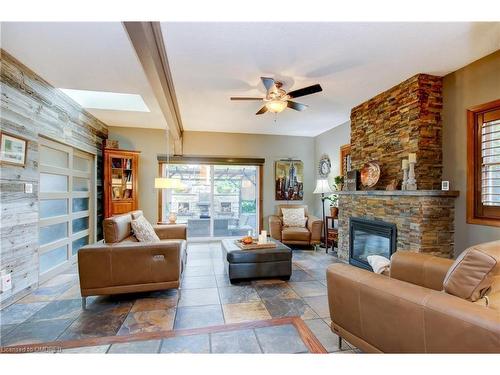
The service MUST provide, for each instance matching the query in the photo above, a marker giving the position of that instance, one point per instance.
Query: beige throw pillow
(294, 217)
(144, 231)
(472, 274)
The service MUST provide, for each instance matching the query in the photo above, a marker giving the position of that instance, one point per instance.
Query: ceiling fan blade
(268, 83)
(305, 91)
(262, 110)
(296, 106)
(244, 98)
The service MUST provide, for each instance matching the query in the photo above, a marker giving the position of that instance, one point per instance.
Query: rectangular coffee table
(259, 263)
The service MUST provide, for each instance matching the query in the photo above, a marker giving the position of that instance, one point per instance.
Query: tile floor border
(310, 340)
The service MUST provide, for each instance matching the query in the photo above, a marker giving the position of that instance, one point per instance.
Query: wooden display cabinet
(121, 171)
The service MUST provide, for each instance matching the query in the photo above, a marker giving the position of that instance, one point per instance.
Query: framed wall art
(289, 180)
(13, 149)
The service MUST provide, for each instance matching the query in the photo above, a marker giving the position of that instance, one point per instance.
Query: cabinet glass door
(127, 178)
(121, 178)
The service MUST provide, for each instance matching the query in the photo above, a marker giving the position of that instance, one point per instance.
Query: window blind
(490, 165)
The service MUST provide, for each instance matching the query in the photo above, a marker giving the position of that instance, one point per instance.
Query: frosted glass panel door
(65, 209)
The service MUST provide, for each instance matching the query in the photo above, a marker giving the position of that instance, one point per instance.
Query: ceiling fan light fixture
(276, 106)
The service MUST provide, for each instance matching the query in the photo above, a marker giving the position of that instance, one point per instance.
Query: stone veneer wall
(404, 119)
(424, 223)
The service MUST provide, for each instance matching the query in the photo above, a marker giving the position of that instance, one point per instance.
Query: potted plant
(334, 210)
(339, 182)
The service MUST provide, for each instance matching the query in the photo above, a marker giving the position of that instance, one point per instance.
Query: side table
(332, 233)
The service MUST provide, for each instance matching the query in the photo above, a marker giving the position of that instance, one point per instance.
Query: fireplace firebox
(370, 237)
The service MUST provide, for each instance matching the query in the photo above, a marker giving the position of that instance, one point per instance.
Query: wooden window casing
(483, 164)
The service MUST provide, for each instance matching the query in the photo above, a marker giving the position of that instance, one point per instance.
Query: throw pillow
(472, 274)
(294, 217)
(378, 263)
(143, 230)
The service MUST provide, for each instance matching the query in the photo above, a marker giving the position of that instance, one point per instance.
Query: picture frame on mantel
(345, 159)
(13, 149)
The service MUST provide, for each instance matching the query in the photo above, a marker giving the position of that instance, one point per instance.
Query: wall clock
(325, 166)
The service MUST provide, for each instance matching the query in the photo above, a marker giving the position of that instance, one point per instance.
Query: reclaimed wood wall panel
(31, 107)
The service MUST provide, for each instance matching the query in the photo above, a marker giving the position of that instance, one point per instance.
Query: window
(483, 170)
(65, 215)
(214, 200)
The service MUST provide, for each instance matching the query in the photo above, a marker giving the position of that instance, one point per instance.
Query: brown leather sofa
(123, 265)
(310, 234)
(409, 312)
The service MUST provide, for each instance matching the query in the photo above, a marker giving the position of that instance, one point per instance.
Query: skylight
(107, 100)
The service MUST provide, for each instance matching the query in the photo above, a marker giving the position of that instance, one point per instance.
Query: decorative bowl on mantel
(370, 174)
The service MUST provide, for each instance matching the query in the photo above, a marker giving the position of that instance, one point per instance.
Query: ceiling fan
(277, 99)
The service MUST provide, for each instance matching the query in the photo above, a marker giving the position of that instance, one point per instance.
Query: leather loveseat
(123, 265)
(412, 312)
(310, 234)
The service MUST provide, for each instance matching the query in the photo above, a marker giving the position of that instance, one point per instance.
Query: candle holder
(412, 182)
(404, 184)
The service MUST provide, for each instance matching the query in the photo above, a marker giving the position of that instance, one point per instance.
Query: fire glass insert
(370, 237)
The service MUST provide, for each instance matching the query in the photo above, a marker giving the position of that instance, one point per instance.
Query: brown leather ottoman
(249, 264)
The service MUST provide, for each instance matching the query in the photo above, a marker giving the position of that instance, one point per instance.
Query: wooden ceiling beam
(147, 40)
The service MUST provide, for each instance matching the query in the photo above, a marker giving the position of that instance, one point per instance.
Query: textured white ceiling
(352, 61)
(212, 61)
(94, 56)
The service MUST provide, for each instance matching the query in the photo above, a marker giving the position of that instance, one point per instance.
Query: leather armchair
(310, 234)
(409, 312)
(123, 265)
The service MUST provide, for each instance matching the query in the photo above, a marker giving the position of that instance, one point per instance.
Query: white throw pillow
(294, 217)
(144, 231)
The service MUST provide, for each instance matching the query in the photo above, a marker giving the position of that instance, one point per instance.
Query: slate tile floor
(207, 298)
(273, 339)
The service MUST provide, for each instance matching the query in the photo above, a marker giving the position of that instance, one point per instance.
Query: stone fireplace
(370, 237)
(423, 218)
(404, 119)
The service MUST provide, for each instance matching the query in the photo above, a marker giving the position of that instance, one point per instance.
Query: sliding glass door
(66, 209)
(214, 200)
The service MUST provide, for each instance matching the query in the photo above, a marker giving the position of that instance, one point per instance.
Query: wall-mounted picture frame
(289, 180)
(13, 149)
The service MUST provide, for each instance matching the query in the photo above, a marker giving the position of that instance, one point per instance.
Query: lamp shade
(167, 183)
(322, 187)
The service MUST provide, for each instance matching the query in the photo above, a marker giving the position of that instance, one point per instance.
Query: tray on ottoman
(269, 262)
(255, 245)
